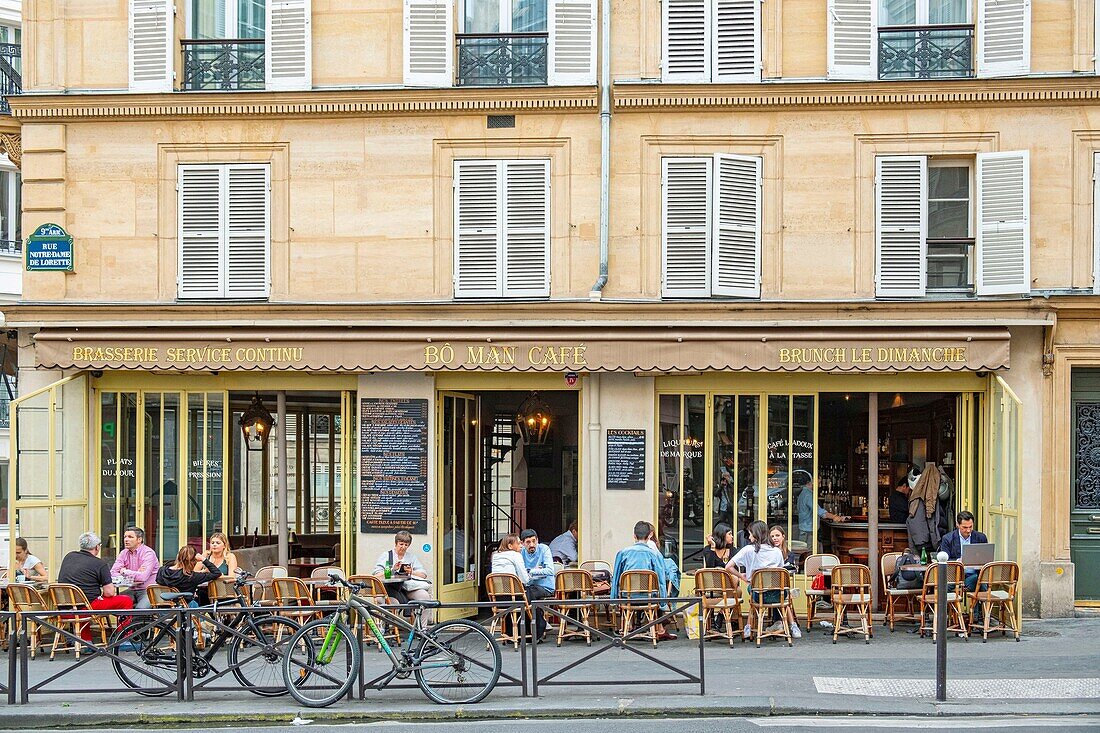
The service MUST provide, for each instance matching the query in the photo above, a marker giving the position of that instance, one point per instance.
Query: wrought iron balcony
(11, 78)
(223, 64)
(502, 60)
(926, 52)
(5, 411)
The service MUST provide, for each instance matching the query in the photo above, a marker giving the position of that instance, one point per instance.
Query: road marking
(978, 689)
(1065, 721)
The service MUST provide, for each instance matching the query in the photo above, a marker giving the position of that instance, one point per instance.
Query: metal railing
(502, 59)
(926, 52)
(5, 409)
(11, 76)
(223, 64)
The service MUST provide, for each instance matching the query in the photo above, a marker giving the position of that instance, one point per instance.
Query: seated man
(564, 546)
(963, 534)
(640, 556)
(86, 571)
(540, 570)
(137, 563)
(402, 562)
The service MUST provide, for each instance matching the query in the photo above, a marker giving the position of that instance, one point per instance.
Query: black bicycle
(253, 637)
(454, 662)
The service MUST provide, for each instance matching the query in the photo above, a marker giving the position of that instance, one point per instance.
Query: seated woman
(399, 561)
(507, 559)
(759, 553)
(32, 568)
(778, 538)
(221, 555)
(184, 574)
(672, 570)
(720, 547)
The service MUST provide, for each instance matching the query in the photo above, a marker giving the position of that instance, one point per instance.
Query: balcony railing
(502, 60)
(926, 52)
(223, 64)
(5, 411)
(11, 78)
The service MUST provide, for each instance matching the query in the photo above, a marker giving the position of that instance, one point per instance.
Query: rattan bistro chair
(375, 591)
(771, 589)
(812, 568)
(574, 585)
(78, 617)
(901, 603)
(995, 599)
(638, 588)
(505, 588)
(292, 592)
(851, 590)
(25, 598)
(956, 622)
(721, 595)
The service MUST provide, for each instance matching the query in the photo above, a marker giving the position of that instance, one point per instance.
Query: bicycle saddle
(424, 604)
(177, 596)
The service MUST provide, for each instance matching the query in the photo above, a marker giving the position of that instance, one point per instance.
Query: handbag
(818, 582)
(416, 584)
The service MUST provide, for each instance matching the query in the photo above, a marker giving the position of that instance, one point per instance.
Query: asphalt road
(726, 725)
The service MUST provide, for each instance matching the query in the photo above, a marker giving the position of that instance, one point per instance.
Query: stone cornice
(326, 103)
(820, 94)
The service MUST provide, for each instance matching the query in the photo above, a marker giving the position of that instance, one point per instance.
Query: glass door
(1002, 502)
(457, 421)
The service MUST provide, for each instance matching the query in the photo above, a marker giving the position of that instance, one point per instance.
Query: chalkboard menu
(393, 465)
(626, 460)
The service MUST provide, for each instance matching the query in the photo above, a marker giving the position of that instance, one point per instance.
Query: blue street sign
(50, 248)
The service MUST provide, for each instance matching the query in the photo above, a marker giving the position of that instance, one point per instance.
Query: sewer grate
(1039, 633)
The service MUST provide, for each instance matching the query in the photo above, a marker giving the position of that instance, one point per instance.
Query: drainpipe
(605, 145)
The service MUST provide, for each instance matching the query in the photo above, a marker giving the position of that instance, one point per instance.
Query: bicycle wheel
(145, 655)
(317, 673)
(255, 657)
(457, 662)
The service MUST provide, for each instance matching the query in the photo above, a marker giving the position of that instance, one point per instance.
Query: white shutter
(736, 255)
(901, 216)
(685, 227)
(247, 236)
(429, 43)
(151, 45)
(477, 239)
(288, 58)
(1003, 250)
(526, 228)
(736, 41)
(686, 33)
(1004, 37)
(853, 39)
(200, 231)
(572, 42)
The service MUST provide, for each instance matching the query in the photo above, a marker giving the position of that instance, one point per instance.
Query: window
(11, 64)
(502, 228)
(711, 41)
(224, 47)
(927, 39)
(710, 221)
(935, 231)
(500, 43)
(11, 220)
(224, 237)
(1096, 223)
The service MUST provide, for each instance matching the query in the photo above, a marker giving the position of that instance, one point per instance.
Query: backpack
(906, 579)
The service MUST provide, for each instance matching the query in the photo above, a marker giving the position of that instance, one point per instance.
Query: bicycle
(253, 641)
(454, 662)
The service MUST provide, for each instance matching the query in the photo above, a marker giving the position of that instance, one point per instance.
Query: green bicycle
(454, 662)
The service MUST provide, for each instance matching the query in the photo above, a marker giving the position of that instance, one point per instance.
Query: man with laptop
(966, 544)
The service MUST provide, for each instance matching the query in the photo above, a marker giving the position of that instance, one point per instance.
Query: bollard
(941, 627)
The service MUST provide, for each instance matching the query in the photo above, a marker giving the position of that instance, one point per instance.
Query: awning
(574, 348)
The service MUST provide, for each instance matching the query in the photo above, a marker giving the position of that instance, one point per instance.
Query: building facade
(787, 245)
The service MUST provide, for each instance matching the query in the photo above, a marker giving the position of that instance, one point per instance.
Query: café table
(302, 567)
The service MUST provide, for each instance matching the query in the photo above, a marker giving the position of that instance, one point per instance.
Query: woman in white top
(508, 560)
(759, 553)
(32, 567)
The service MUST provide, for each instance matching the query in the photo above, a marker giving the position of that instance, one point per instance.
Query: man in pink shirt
(137, 564)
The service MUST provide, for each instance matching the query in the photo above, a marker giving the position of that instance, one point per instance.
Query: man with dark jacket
(963, 534)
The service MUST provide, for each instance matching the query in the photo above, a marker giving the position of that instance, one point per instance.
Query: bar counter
(841, 537)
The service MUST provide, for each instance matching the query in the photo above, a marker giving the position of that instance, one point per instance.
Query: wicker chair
(996, 591)
(638, 588)
(325, 594)
(773, 583)
(851, 589)
(25, 598)
(574, 585)
(375, 591)
(813, 566)
(292, 592)
(505, 588)
(264, 577)
(155, 594)
(956, 622)
(907, 598)
(78, 616)
(721, 594)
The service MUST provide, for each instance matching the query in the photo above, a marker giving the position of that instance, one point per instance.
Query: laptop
(978, 555)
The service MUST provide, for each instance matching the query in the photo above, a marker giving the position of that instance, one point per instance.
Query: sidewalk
(1053, 670)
